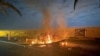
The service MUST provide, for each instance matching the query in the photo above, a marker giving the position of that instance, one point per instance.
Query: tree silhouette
(8, 5)
(75, 3)
(99, 4)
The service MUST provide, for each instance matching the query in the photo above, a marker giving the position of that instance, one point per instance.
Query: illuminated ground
(8, 49)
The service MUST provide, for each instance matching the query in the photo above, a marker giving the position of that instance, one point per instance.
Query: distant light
(3, 33)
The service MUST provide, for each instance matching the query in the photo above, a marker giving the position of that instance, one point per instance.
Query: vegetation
(8, 5)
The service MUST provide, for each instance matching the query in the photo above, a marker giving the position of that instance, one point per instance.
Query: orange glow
(42, 46)
(40, 42)
(33, 42)
(66, 43)
(48, 39)
(63, 44)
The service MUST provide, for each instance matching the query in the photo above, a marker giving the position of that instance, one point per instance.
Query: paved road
(13, 49)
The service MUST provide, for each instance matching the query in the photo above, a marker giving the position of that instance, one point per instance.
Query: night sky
(87, 13)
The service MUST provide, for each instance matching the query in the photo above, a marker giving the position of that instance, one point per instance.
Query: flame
(33, 42)
(40, 42)
(42, 46)
(63, 44)
(49, 39)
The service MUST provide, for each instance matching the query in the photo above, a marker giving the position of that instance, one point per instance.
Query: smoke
(46, 6)
(43, 6)
(39, 4)
(61, 20)
(47, 19)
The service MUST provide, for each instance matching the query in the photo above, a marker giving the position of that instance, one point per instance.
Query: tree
(75, 2)
(8, 5)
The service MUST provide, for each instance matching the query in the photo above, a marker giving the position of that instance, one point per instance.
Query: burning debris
(46, 38)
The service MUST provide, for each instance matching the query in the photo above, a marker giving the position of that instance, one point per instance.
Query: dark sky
(87, 13)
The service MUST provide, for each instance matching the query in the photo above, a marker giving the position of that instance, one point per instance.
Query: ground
(12, 49)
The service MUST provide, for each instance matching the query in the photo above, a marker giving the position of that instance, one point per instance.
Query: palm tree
(75, 3)
(3, 11)
(99, 4)
(6, 4)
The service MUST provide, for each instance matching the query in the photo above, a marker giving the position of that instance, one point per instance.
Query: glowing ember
(33, 42)
(42, 46)
(63, 43)
(66, 43)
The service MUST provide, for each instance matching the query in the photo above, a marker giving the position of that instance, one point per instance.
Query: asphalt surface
(13, 49)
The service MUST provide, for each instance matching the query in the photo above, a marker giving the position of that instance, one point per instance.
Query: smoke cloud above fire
(61, 12)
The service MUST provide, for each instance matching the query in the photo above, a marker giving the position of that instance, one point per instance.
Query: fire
(33, 42)
(42, 46)
(41, 42)
(63, 43)
(49, 39)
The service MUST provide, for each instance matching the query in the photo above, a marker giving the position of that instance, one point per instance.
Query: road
(13, 49)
